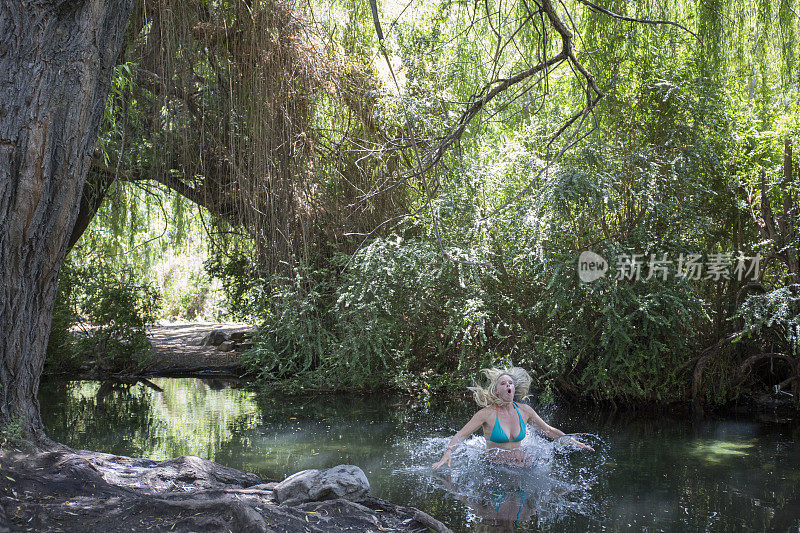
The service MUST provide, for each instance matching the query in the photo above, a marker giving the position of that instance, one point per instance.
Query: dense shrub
(616, 340)
(766, 353)
(399, 311)
(401, 315)
(238, 277)
(100, 318)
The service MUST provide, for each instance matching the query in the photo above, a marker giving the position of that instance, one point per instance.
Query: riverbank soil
(183, 349)
(55, 488)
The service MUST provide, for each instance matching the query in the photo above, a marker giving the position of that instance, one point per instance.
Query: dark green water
(648, 474)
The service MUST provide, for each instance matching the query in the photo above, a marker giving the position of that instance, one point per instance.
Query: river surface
(653, 474)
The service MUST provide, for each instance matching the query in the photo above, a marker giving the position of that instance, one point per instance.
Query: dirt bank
(177, 349)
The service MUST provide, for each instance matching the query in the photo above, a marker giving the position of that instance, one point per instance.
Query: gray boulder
(343, 481)
(214, 338)
(240, 336)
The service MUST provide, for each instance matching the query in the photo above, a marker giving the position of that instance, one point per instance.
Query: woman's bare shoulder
(485, 412)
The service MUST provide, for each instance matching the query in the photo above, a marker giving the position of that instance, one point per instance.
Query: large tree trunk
(56, 59)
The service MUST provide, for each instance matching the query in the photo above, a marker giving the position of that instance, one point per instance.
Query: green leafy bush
(239, 278)
(61, 355)
(614, 340)
(397, 312)
(774, 316)
(766, 349)
(187, 294)
(102, 312)
(11, 433)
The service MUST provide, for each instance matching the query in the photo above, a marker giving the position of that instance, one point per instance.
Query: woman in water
(503, 419)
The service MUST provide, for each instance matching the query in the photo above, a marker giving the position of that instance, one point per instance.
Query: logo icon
(591, 266)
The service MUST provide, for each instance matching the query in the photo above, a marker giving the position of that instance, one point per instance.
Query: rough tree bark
(56, 59)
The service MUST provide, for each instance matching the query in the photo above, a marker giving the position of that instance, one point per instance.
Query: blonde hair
(485, 396)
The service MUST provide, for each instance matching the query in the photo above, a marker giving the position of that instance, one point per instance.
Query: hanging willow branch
(535, 75)
(604, 11)
(228, 103)
(489, 91)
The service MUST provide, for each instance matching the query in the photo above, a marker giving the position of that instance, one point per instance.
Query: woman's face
(505, 388)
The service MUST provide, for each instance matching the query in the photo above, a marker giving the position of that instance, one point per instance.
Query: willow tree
(250, 111)
(56, 59)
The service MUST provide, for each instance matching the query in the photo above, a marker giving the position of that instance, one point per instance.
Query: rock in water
(343, 481)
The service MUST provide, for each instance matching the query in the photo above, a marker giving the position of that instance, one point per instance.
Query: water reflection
(161, 419)
(271, 435)
(658, 474)
(495, 510)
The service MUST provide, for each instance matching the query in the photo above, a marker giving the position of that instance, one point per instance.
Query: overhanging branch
(604, 11)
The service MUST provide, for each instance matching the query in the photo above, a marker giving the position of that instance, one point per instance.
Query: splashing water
(543, 482)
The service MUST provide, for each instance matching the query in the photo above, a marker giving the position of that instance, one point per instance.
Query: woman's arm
(469, 428)
(549, 431)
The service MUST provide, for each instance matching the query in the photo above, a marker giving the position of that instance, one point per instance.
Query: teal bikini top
(499, 436)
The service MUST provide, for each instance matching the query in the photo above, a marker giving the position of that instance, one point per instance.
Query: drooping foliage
(411, 210)
(232, 94)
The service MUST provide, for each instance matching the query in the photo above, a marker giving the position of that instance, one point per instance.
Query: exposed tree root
(59, 489)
